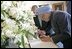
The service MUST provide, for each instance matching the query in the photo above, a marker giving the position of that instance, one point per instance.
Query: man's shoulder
(57, 15)
(61, 15)
(59, 12)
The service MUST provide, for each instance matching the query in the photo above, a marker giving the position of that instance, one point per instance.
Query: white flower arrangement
(20, 24)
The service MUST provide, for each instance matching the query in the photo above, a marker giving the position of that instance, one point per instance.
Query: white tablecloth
(39, 44)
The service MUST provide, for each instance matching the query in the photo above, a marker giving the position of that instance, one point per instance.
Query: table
(37, 43)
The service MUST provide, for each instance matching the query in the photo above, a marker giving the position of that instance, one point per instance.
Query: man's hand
(41, 32)
(45, 38)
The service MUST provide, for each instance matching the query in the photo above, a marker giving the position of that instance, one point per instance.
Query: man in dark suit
(60, 22)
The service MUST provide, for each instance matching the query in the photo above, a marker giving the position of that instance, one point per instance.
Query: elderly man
(42, 25)
(60, 22)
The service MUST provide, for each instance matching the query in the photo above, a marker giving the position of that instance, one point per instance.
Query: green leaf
(32, 35)
(18, 43)
(4, 41)
(23, 43)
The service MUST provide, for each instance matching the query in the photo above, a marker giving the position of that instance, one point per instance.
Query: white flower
(2, 33)
(18, 38)
(10, 22)
(13, 12)
(6, 4)
(2, 17)
(9, 33)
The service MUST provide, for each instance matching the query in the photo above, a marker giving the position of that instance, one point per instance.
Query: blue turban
(42, 10)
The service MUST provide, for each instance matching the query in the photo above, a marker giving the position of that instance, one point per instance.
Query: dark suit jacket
(61, 24)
